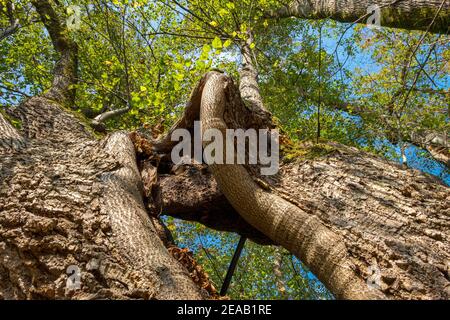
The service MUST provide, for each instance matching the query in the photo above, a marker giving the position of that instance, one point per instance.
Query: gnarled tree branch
(321, 211)
(302, 234)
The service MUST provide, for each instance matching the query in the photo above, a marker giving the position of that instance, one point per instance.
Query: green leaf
(217, 43)
(227, 43)
(230, 5)
(223, 12)
(206, 49)
(179, 76)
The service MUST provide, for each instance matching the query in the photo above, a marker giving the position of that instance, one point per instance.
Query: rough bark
(67, 199)
(343, 213)
(388, 217)
(405, 14)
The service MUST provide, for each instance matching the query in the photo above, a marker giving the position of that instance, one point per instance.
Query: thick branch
(191, 193)
(248, 84)
(339, 237)
(322, 250)
(65, 70)
(403, 14)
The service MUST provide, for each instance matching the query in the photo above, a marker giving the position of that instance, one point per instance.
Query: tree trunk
(366, 227)
(70, 203)
(72, 218)
(408, 14)
(67, 199)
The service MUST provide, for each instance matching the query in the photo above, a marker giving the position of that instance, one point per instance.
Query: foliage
(401, 92)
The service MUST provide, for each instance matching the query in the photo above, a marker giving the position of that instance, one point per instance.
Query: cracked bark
(67, 199)
(342, 213)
